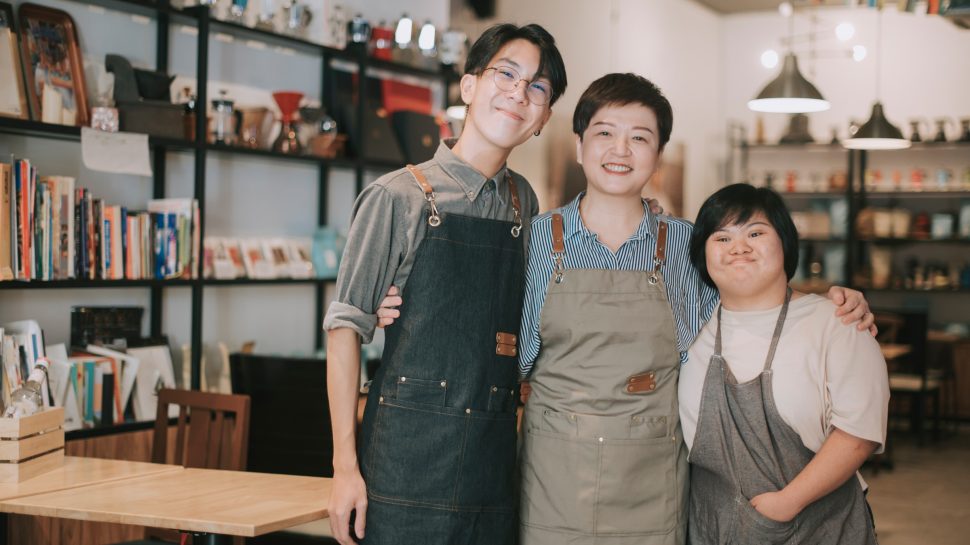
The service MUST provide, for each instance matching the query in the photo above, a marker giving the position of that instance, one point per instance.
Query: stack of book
(52, 229)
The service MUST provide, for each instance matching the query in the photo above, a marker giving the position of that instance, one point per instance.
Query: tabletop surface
(893, 351)
(201, 500)
(81, 472)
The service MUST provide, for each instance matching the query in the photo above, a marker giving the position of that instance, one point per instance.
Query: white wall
(925, 64)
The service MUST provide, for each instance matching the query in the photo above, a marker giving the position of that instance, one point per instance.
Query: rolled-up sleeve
(371, 257)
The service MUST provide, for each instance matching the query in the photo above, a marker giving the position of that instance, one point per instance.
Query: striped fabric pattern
(691, 300)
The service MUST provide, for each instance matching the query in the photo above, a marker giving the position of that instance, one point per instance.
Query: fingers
(837, 296)
(340, 524)
(392, 291)
(868, 321)
(873, 330)
(857, 314)
(361, 517)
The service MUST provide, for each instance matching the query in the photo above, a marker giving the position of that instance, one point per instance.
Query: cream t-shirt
(826, 374)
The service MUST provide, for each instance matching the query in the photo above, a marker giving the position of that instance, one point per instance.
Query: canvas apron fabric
(603, 459)
(742, 449)
(438, 440)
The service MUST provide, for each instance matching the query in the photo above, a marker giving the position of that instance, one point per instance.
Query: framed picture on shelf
(52, 64)
(13, 94)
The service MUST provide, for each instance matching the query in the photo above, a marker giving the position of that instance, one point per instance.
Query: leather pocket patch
(505, 344)
(642, 383)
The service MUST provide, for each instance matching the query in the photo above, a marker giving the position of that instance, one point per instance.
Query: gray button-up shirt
(389, 223)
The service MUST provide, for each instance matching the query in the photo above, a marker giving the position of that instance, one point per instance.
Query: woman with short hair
(790, 404)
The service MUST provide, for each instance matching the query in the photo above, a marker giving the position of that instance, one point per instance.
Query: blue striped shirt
(691, 300)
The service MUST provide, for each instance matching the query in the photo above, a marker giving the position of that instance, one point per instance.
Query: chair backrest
(290, 431)
(212, 430)
(911, 328)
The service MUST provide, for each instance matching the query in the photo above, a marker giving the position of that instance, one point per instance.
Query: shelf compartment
(264, 282)
(81, 283)
(902, 241)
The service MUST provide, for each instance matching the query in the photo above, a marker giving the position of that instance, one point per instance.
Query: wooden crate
(31, 445)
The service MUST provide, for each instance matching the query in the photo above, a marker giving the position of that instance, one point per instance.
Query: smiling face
(505, 119)
(619, 150)
(746, 259)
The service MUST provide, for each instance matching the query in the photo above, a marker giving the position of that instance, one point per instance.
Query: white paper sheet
(116, 152)
(155, 370)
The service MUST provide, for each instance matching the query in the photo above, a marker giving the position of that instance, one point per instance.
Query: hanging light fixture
(790, 92)
(877, 133)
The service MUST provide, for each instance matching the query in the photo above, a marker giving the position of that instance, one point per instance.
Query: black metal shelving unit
(859, 197)
(199, 17)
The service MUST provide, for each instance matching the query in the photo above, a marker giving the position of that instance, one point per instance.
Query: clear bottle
(28, 398)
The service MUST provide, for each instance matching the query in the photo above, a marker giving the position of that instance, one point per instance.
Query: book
(6, 189)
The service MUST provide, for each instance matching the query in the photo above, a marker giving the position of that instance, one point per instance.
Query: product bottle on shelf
(28, 399)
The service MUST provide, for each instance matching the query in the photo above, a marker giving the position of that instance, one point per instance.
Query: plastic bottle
(28, 398)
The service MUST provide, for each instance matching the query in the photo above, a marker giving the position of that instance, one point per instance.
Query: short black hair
(492, 40)
(619, 90)
(736, 204)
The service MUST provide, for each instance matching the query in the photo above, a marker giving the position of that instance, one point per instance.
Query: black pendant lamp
(877, 133)
(790, 92)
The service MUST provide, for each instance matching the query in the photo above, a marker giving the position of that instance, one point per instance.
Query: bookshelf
(163, 18)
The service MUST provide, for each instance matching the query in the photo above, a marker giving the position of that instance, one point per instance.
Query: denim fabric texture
(438, 441)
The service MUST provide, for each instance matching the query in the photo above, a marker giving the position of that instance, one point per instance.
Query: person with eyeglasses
(437, 452)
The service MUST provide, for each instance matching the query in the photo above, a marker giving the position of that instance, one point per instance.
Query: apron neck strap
(779, 325)
(558, 246)
(434, 218)
(516, 205)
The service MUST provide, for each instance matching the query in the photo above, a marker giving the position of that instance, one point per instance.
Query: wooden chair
(212, 432)
(911, 376)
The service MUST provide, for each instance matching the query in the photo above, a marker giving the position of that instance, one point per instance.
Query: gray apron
(437, 447)
(603, 458)
(743, 448)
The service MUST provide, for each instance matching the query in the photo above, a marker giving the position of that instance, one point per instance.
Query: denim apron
(603, 458)
(437, 446)
(743, 448)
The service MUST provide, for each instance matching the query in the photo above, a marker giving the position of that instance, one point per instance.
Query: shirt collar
(573, 222)
(470, 180)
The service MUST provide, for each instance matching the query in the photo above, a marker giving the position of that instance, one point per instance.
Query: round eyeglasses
(507, 79)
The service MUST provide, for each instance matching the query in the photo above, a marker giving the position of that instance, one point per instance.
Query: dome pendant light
(877, 133)
(790, 92)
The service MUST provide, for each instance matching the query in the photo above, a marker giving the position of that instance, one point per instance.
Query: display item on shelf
(318, 132)
(914, 134)
(297, 16)
(225, 121)
(921, 226)
(964, 130)
(288, 142)
(144, 101)
(257, 124)
(798, 132)
(28, 399)
(964, 222)
(382, 41)
(941, 125)
(941, 226)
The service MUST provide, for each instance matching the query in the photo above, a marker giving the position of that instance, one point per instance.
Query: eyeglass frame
(495, 77)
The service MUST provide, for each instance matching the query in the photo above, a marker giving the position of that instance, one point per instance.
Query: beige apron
(603, 457)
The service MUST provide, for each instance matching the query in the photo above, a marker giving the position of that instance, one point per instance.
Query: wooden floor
(925, 498)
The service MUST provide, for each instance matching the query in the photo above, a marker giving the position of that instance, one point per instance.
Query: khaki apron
(603, 458)
(744, 448)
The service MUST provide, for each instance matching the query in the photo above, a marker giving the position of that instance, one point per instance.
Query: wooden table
(205, 501)
(893, 351)
(77, 472)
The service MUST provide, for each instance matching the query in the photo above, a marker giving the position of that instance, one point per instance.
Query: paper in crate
(31, 445)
